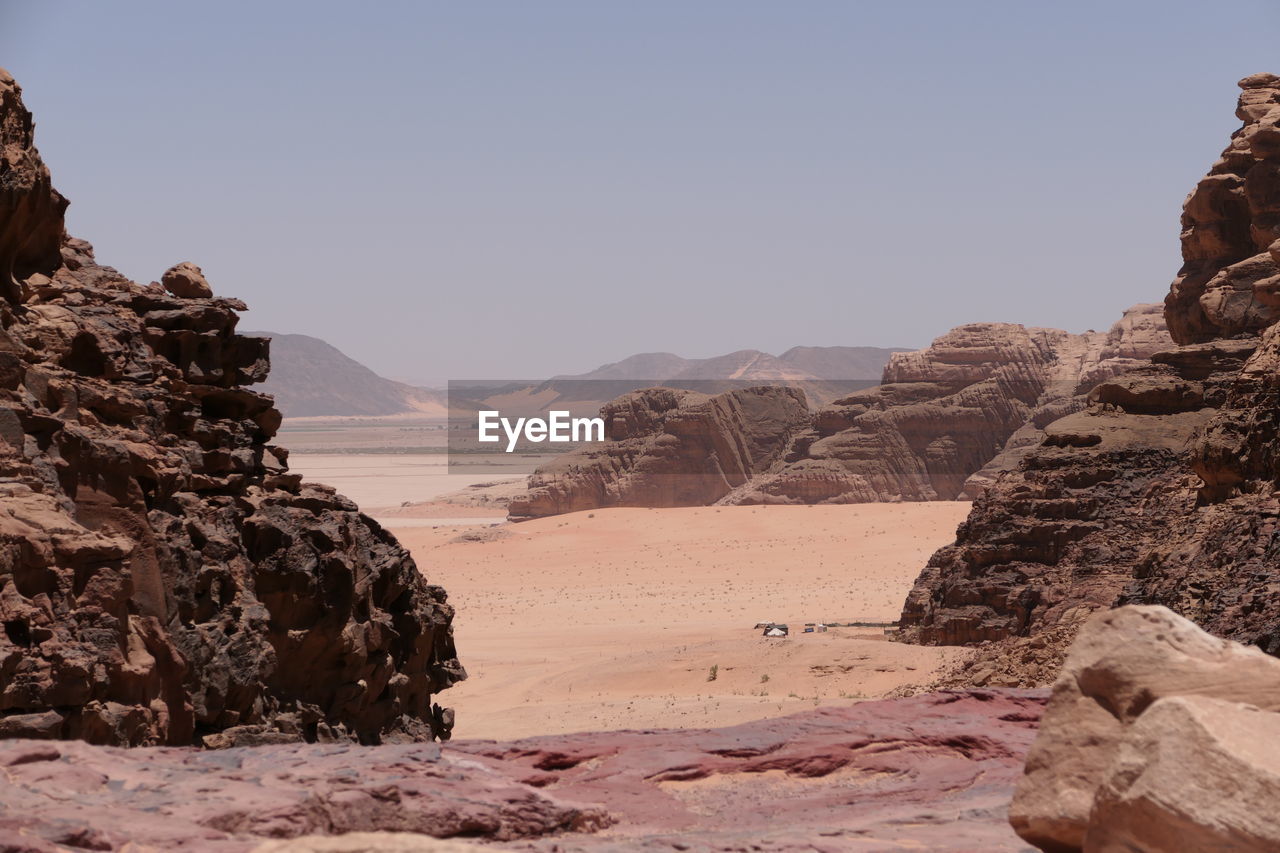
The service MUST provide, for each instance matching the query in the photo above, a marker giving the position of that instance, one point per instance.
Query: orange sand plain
(615, 618)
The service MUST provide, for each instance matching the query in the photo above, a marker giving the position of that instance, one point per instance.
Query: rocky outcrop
(667, 447)
(1158, 737)
(1128, 344)
(30, 207)
(163, 578)
(930, 772)
(1163, 490)
(948, 418)
(944, 422)
(1229, 221)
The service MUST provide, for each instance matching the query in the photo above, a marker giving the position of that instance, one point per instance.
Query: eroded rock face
(1158, 737)
(33, 209)
(931, 772)
(1163, 490)
(944, 423)
(163, 578)
(1228, 278)
(949, 418)
(669, 447)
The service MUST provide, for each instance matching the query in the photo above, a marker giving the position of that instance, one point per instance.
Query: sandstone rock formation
(1229, 221)
(1158, 737)
(945, 421)
(948, 418)
(1164, 490)
(929, 772)
(668, 447)
(163, 578)
(31, 207)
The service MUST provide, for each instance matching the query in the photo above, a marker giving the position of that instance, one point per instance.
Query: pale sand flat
(614, 618)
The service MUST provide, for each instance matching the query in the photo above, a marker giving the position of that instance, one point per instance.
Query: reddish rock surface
(163, 578)
(934, 771)
(1164, 490)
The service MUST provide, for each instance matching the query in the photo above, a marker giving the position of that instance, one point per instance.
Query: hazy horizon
(439, 383)
(518, 189)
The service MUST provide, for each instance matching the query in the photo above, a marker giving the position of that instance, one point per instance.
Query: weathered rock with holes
(163, 578)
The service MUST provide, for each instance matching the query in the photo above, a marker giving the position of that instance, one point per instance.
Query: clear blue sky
(487, 189)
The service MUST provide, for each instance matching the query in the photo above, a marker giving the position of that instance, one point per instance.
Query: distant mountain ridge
(312, 378)
(797, 363)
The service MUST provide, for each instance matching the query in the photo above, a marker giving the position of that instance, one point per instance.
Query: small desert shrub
(714, 672)
(764, 679)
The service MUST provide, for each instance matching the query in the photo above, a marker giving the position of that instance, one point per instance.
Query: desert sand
(615, 618)
(396, 487)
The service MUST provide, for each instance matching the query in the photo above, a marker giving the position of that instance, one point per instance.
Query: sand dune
(614, 618)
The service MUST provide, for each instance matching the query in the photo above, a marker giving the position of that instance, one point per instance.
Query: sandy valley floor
(412, 489)
(616, 618)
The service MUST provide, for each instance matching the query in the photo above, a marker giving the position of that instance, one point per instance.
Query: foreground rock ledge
(933, 771)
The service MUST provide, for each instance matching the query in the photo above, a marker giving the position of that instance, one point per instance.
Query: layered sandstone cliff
(668, 447)
(944, 422)
(1165, 489)
(946, 419)
(163, 578)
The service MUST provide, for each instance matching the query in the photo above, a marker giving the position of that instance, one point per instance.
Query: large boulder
(1192, 773)
(186, 281)
(1101, 757)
